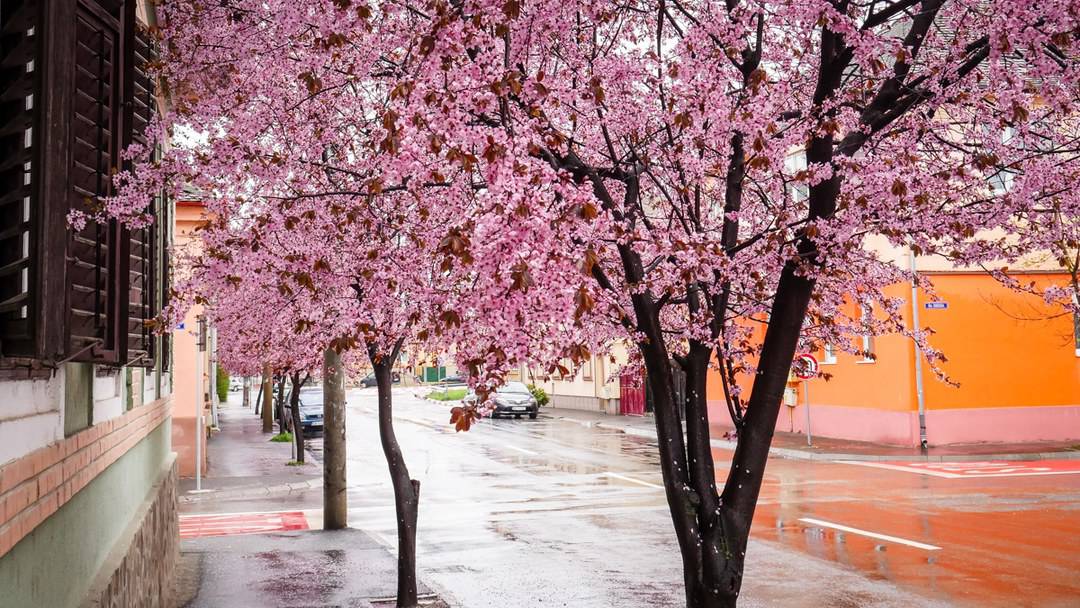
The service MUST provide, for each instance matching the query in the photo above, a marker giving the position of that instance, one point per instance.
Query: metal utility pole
(200, 395)
(335, 504)
(268, 399)
(918, 352)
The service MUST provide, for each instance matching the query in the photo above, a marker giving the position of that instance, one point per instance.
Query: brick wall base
(138, 572)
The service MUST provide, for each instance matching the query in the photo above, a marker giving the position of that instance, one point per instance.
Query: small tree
(222, 384)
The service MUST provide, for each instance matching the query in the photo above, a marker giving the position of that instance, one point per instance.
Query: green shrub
(540, 395)
(285, 437)
(222, 384)
(452, 394)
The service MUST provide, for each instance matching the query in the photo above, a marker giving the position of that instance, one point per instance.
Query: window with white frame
(867, 345)
(829, 352)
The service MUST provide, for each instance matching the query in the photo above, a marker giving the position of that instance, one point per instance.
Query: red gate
(632, 393)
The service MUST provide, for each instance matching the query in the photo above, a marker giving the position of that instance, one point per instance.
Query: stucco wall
(31, 416)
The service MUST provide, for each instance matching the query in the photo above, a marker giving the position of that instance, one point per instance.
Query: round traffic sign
(805, 366)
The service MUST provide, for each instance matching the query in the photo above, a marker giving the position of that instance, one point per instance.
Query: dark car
(512, 399)
(453, 379)
(311, 409)
(369, 380)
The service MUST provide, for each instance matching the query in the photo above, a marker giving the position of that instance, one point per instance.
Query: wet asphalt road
(520, 513)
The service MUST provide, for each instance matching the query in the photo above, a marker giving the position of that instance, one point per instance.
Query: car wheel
(533, 416)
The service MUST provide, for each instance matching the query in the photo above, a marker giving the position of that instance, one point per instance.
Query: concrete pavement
(295, 568)
(269, 557)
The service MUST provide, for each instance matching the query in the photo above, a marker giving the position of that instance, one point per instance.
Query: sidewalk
(250, 537)
(290, 569)
(244, 463)
(793, 445)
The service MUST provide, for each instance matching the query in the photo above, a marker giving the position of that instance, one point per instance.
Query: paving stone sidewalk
(244, 463)
(300, 569)
(283, 569)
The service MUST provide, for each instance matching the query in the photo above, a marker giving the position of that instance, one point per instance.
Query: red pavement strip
(225, 524)
(979, 470)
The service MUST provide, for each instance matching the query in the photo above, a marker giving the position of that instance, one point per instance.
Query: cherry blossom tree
(711, 182)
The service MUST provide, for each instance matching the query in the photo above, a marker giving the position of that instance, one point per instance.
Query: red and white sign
(805, 366)
(980, 469)
(226, 524)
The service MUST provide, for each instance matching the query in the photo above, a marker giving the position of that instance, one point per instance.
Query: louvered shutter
(142, 279)
(94, 252)
(20, 41)
(164, 222)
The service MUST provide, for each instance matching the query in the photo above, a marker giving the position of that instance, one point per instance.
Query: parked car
(454, 379)
(311, 409)
(511, 399)
(235, 384)
(369, 380)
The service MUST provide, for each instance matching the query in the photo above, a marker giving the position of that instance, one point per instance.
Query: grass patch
(295, 463)
(451, 394)
(285, 437)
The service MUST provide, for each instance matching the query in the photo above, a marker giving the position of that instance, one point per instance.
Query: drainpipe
(918, 352)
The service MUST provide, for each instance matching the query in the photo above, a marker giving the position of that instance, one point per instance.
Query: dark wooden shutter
(164, 222)
(95, 261)
(144, 242)
(20, 43)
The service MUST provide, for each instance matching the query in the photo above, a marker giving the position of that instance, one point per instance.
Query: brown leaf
(584, 302)
(520, 277)
(590, 261)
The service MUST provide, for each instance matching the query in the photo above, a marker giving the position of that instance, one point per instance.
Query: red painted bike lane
(226, 524)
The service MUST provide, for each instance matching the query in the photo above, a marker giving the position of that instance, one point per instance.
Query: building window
(867, 346)
(829, 352)
(1076, 322)
(586, 369)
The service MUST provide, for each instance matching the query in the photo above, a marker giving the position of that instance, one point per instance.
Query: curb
(794, 454)
(251, 491)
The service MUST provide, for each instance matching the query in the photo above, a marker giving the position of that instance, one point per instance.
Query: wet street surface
(549, 512)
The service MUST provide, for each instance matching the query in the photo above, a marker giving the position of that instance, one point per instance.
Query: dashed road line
(868, 534)
(632, 480)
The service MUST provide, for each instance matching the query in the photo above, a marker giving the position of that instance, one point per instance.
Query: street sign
(806, 366)
(936, 305)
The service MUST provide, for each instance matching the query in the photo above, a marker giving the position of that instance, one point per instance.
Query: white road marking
(632, 480)
(885, 537)
(972, 473)
(522, 450)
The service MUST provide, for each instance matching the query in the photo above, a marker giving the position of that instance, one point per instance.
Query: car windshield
(513, 387)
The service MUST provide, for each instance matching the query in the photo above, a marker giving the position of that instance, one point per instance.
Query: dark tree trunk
(279, 405)
(406, 490)
(297, 420)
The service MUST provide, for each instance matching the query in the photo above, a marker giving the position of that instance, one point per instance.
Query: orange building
(192, 364)
(1014, 361)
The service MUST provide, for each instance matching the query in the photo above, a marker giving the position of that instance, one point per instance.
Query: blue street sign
(180, 326)
(936, 305)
